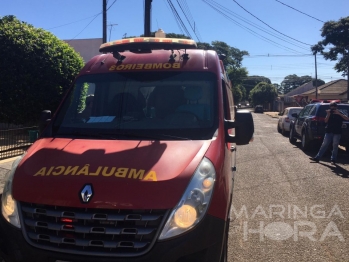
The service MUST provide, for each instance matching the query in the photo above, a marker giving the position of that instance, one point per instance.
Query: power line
(299, 11)
(187, 16)
(179, 26)
(85, 27)
(94, 17)
(250, 30)
(111, 5)
(269, 25)
(176, 15)
(73, 22)
(254, 24)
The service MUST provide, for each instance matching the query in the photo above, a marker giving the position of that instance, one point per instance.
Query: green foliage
(36, 70)
(204, 46)
(232, 62)
(291, 82)
(278, 88)
(251, 81)
(237, 93)
(263, 93)
(233, 55)
(336, 35)
(237, 75)
(173, 35)
(82, 102)
(319, 82)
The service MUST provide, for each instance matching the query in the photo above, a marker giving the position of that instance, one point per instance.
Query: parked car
(309, 126)
(285, 118)
(258, 109)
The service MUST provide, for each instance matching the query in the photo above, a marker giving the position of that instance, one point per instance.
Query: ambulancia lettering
(103, 171)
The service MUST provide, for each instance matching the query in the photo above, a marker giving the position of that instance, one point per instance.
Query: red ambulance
(137, 163)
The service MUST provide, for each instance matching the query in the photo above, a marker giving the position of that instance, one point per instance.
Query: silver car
(285, 119)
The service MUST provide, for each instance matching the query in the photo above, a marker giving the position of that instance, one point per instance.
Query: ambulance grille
(99, 232)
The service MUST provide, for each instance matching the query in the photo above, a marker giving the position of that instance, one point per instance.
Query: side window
(228, 102)
(285, 112)
(312, 112)
(308, 110)
(305, 111)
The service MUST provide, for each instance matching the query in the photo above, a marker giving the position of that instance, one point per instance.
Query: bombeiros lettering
(147, 66)
(103, 171)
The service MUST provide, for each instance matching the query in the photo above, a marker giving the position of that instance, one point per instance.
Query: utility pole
(316, 91)
(147, 17)
(104, 21)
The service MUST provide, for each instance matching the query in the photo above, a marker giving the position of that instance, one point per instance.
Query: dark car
(309, 126)
(258, 109)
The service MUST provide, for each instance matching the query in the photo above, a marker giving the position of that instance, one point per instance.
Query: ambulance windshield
(161, 105)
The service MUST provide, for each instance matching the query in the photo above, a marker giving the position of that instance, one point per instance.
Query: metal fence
(14, 142)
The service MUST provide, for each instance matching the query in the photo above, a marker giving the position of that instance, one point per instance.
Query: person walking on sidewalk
(334, 119)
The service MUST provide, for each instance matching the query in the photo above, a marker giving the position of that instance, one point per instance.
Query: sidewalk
(5, 165)
(272, 114)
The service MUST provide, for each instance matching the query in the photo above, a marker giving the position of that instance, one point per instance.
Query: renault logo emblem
(86, 193)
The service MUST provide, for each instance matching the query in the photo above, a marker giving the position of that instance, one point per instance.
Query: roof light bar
(147, 43)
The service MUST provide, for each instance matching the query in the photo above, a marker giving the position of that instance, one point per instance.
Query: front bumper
(203, 243)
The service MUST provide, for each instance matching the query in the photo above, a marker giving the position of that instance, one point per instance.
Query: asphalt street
(286, 207)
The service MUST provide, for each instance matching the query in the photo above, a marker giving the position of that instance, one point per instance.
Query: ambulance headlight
(194, 203)
(8, 203)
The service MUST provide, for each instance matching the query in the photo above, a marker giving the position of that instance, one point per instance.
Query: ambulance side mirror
(45, 118)
(244, 128)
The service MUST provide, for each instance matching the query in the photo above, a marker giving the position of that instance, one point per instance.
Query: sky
(277, 34)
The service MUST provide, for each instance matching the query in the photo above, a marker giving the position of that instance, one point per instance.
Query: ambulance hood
(122, 174)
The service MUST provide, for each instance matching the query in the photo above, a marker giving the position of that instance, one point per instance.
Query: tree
(336, 34)
(251, 81)
(237, 93)
(278, 88)
(263, 93)
(36, 70)
(204, 46)
(233, 56)
(291, 82)
(237, 75)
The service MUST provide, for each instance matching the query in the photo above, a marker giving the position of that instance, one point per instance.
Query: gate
(14, 142)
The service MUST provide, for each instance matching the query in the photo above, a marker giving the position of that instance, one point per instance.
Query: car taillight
(317, 119)
(287, 119)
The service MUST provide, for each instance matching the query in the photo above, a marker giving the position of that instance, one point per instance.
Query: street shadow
(337, 170)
